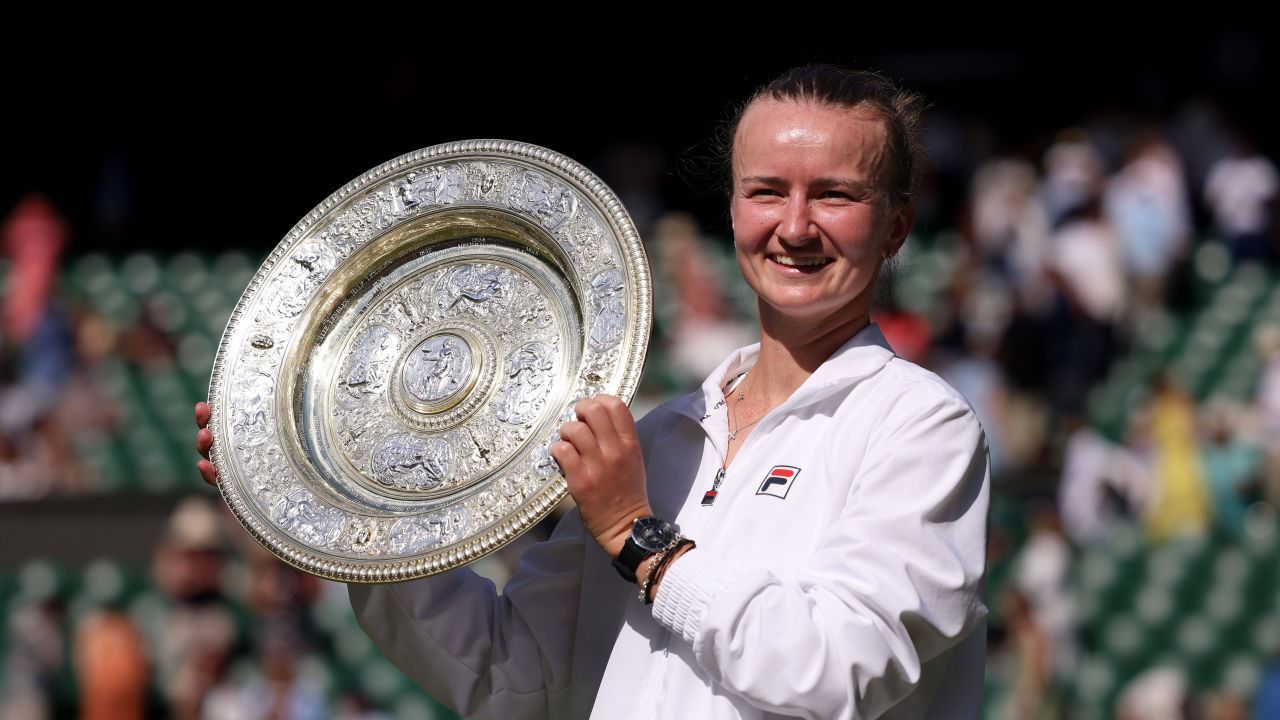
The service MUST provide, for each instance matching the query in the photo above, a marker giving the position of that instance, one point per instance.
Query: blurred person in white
(1103, 484)
(1073, 176)
(1146, 202)
(1160, 693)
(198, 632)
(1042, 574)
(837, 494)
(1084, 249)
(1010, 227)
(1002, 284)
(1086, 254)
(1242, 190)
(1087, 270)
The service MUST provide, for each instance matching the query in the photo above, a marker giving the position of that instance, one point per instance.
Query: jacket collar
(861, 356)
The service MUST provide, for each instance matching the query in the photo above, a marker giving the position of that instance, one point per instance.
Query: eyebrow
(820, 182)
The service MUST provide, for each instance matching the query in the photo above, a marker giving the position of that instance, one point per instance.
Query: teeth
(800, 261)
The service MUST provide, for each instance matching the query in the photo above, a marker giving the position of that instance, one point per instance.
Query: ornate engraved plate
(388, 385)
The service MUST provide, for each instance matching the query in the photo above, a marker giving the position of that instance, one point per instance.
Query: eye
(836, 195)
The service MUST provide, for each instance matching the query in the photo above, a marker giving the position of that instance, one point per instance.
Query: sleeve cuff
(686, 592)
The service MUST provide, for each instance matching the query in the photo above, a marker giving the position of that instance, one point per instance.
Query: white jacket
(852, 588)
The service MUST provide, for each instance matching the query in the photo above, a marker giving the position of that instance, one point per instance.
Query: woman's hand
(204, 441)
(599, 455)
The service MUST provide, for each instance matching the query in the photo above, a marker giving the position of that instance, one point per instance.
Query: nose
(797, 226)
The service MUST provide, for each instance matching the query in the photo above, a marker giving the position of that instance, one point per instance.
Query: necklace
(742, 395)
(709, 498)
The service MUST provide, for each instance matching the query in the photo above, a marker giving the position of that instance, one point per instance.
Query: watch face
(652, 533)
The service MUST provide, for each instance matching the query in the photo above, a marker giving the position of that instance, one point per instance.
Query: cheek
(751, 229)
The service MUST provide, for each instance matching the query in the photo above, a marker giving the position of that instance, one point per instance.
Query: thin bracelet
(660, 567)
(657, 560)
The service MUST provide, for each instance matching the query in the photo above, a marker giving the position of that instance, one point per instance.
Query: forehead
(772, 132)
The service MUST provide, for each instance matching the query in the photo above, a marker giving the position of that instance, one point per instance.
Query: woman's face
(811, 221)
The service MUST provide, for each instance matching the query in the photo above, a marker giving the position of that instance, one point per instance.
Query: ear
(901, 220)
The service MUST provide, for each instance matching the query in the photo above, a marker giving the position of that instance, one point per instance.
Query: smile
(792, 261)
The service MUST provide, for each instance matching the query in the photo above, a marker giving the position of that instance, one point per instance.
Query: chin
(809, 312)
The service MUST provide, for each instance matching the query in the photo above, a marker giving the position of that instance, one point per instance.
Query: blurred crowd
(218, 629)
(1031, 274)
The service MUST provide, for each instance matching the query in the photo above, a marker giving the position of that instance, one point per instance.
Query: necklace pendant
(709, 497)
(732, 435)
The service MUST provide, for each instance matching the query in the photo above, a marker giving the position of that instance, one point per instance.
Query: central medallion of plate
(438, 370)
(444, 371)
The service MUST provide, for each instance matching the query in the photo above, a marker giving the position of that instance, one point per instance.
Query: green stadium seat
(140, 274)
(1096, 680)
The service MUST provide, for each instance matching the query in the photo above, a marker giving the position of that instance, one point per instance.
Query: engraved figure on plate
(414, 534)
(438, 367)
(370, 361)
(412, 462)
(529, 371)
(472, 287)
(608, 308)
(432, 186)
(304, 269)
(552, 203)
(306, 518)
(250, 404)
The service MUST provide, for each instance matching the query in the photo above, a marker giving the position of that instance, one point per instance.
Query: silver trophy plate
(388, 386)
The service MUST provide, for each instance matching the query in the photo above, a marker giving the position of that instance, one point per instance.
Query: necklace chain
(709, 497)
(742, 395)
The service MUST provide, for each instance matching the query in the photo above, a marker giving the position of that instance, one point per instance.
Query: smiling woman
(837, 494)
(810, 220)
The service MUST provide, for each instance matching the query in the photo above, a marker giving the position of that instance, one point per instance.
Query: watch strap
(629, 560)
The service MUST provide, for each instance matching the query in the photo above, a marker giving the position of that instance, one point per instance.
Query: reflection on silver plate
(388, 385)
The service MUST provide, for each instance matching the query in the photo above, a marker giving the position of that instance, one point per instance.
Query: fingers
(594, 412)
(584, 442)
(623, 424)
(204, 441)
(207, 471)
(567, 457)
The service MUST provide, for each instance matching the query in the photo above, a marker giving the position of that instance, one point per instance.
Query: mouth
(795, 261)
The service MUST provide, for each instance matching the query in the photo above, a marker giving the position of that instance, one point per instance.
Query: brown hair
(900, 110)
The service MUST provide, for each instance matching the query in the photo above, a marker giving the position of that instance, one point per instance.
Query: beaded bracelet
(653, 567)
(659, 566)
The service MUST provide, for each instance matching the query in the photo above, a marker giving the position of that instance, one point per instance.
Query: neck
(790, 351)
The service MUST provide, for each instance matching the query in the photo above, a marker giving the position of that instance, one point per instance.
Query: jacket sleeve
(897, 580)
(484, 654)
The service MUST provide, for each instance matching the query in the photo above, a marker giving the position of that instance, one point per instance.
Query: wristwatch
(649, 535)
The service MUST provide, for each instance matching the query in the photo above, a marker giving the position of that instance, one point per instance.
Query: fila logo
(779, 481)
